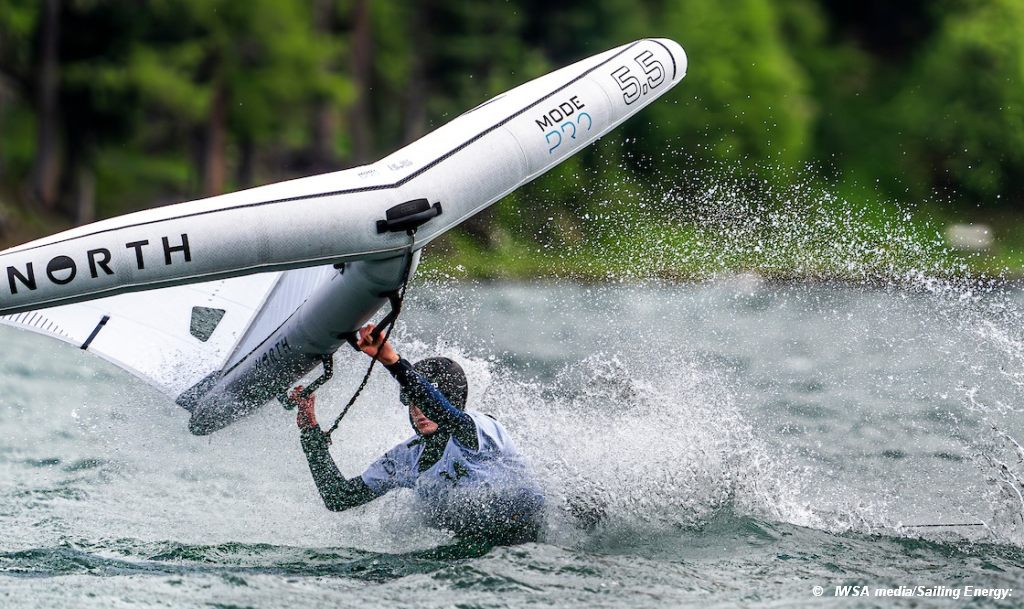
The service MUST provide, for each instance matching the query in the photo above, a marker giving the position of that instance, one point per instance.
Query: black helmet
(447, 376)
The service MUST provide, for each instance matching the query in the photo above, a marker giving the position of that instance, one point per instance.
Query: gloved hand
(367, 345)
(305, 416)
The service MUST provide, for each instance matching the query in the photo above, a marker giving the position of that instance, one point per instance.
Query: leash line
(390, 325)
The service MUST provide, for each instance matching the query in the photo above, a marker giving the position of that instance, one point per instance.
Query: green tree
(245, 73)
(745, 99)
(965, 105)
(18, 27)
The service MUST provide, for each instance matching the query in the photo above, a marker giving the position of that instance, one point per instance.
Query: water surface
(744, 441)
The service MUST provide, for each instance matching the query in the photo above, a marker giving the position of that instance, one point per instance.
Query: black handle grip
(328, 361)
(408, 216)
(389, 319)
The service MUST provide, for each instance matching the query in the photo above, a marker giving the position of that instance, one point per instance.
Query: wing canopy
(174, 337)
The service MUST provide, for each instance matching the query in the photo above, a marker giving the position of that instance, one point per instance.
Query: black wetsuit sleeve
(337, 492)
(432, 402)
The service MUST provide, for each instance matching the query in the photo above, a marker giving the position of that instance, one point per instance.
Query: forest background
(109, 106)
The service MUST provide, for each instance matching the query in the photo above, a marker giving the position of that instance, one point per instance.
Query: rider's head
(449, 379)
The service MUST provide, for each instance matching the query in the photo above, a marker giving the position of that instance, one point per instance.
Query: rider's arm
(433, 404)
(339, 493)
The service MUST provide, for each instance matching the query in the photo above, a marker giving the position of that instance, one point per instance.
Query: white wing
(174, 337)
(459, 169)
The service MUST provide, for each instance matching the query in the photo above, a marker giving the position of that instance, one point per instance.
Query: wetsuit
(468, 476)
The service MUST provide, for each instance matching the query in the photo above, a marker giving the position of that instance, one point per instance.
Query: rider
(467, 475)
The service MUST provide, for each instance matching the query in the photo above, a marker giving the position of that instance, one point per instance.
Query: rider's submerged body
(465, 470)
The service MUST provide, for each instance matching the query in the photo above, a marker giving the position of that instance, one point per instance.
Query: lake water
(744, 441)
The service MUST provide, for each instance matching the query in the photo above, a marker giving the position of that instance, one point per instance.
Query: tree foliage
(965, 103)
(745, 98)
(171, 99)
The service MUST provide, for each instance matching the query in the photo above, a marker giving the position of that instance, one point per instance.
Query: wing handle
(408, 216)
(328, 361)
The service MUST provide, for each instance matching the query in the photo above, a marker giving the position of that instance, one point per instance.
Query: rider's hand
(367, 345)
(305, 416)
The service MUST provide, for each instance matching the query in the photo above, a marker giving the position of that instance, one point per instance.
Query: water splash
(725, 228)
(625, 446)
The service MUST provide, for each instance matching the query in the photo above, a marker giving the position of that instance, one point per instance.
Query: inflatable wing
(224, 302)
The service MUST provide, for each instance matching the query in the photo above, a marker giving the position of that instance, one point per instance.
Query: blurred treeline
(112, 105)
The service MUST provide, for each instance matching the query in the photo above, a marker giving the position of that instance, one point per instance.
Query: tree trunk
(45, 188)
(417, 89)
(81, 170)
(325, 120)
(85, 194)
(246, 174)
(360, 115)
(325, 133)
(215, 155)
(6, 99)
